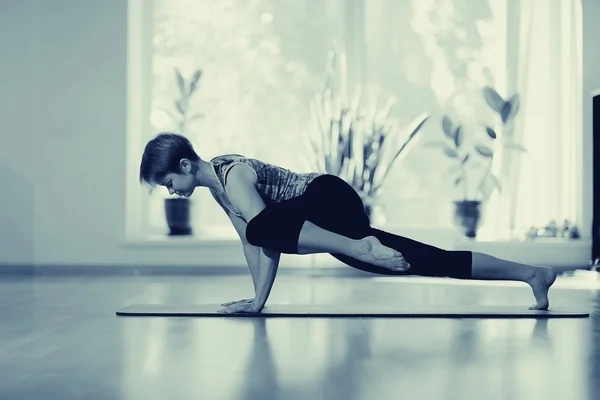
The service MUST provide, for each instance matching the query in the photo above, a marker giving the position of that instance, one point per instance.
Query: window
(263, 61)
(433, 56)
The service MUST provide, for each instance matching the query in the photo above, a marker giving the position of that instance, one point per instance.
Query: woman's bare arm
(241, 190)
(251, 252)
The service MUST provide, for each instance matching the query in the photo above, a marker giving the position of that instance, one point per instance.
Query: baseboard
(132, 271)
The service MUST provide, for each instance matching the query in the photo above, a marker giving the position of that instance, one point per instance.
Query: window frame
(139, 72)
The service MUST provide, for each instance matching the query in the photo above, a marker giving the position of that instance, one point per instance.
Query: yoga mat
(349, 311)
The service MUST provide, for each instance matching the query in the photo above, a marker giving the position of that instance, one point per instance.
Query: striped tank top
(274, 184)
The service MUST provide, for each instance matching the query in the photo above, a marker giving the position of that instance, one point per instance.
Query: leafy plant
(182, 110)
(359, 144)
(181, 114)
(453, 147)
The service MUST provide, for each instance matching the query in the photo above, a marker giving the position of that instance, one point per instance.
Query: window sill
(556, 252)
(179, 241)
(216, 237)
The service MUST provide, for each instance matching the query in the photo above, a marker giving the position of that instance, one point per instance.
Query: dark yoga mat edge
(352, 311)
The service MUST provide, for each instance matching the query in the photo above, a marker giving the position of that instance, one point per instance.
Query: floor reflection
(66, 328)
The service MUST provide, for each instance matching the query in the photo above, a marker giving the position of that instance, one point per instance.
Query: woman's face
(181, 184)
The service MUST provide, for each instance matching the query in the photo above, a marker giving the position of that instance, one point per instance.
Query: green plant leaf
(180, 107)
(197, 75)
(452, 172)
(495, 182)
(448, 127)
(182, 126)
(491, 132)
(505, 113)
(194, 82)
(180, 81)
(484, 150)
(458, 136)
(517, 147)
(494, 100)
(196, 116)
(515, 102)
(453, 169)
(487, 186)
(477, 165)
(450, 152)
(414, 129)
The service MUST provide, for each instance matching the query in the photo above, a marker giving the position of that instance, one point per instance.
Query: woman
(276, 211)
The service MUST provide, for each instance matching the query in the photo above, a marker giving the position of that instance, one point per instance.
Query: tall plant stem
(488, 170)
(465, 182)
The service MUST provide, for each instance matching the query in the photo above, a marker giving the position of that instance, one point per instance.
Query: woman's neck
(206, 176)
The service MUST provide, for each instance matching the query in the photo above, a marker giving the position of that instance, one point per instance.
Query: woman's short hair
(162, 156)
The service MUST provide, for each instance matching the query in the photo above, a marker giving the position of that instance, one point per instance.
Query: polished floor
(60, 339)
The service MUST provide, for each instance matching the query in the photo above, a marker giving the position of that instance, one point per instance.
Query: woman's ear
(185, 165)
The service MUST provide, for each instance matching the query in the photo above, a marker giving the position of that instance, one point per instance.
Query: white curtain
(544, 64)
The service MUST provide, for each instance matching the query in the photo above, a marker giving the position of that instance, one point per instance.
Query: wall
(62, 158)
(18, 107)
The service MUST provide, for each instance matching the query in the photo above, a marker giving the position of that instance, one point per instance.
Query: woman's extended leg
(432, 261)
(487, 267)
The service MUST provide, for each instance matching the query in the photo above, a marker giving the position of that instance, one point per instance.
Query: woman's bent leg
(278, 226)
(279, 229)
(338, 225)
(295, 226)
(314, 239)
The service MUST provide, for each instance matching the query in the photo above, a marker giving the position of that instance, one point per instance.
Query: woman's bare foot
(543, 278)
(370, 250)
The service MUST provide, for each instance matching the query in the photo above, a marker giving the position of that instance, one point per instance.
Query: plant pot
(467, 216)
(177, 211)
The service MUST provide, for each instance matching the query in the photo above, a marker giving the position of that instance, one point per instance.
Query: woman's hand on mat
(240, 307)
(230, 303)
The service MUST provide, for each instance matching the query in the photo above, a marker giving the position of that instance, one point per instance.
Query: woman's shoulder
(227, 159)
(224, 158)
(224, 163)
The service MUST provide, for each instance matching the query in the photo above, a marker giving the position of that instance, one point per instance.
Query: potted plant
(468, 162)
(357, 143)
(178, 209)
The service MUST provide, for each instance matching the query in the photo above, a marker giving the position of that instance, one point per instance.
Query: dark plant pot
(177, 211)
(467, 215)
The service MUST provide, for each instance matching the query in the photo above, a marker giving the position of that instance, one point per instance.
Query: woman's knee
(253, 232)
(277, 232)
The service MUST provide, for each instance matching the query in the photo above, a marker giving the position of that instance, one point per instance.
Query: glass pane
(261, 62)
(433, 56)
